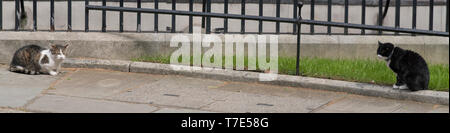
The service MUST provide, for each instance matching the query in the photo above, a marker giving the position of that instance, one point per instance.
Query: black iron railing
(298, 22)
(206, 15)
(206, 7)
(266, 18)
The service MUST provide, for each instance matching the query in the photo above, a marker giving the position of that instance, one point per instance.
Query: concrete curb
(426, 96)
(117, 65)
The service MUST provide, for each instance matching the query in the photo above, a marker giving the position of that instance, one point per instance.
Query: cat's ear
(379, 43)
(66, 45)
(51, 45)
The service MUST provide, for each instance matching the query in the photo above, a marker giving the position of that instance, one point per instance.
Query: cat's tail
(12, 68)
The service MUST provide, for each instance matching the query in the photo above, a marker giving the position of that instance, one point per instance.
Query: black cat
(411, 69)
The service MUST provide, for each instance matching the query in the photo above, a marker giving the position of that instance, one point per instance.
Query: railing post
(16, 14)
(203, 10)
(430, 27)
(311, 28)
(346, 16)
(52, 15)
(414, 15)
(174, 7)
(363, 15)
(22, 9)
(329, 17)
(380, 15)
(86, 16)
(155, 26)
(277, 24)
(69, 15)
(397, 15)
(34, 15)
(103, 17)
(446, 17)
(208, 19)
(191, 8)
(225, 21)
(138, 25)
(1, 12)
(121, 17)
(299, 26)
(242, 13)
(294, 26)
(260, 22)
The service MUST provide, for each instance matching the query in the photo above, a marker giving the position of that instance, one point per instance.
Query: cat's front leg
(58, 68)
(399, 83)
(53, 73)
(50, 70)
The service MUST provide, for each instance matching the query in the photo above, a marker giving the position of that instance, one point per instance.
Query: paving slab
(364, 104)
(439, 109)
(255, 103)
(263, 98)
(282, 91)
(175, 110)
(6, 110)
(100, 83)
(16, 89)
(176, 91)
(359, 104)
(64, 104)
(415, 107)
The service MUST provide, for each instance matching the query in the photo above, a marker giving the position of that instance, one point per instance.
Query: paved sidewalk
(94, 90)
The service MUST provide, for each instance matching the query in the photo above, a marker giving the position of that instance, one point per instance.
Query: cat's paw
(53, 73)
(395, 86)
(19, 68)
(403, 87)
(34, 73)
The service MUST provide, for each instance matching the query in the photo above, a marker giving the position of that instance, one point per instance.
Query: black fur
(45, 60)
(410, 67)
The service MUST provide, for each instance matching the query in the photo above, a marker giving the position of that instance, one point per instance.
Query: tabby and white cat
(34, 59)
(411, 69)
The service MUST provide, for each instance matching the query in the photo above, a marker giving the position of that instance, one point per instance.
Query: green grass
(154, 59)
(357, 70)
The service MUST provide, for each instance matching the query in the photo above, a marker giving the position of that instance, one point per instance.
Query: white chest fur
(388, 63)
(52, 63)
